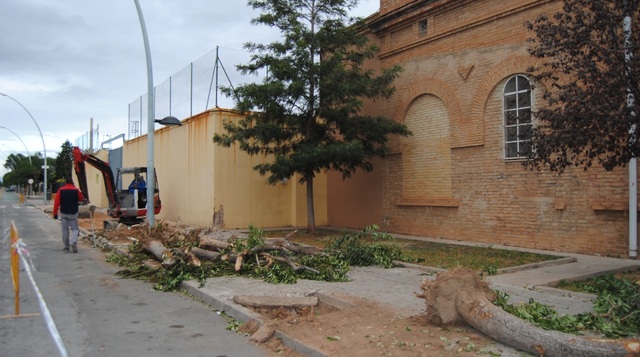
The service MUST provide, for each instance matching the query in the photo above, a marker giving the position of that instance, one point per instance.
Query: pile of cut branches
(616, 310)
(166, 255)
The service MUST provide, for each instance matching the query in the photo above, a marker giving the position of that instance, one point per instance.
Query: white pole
(25, 145)
(633, 167)
(151, 180)
(43, 146)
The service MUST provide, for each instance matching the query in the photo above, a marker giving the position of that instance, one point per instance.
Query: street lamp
(151, 121)
(169, 121)
(25, 146)
(44, 148)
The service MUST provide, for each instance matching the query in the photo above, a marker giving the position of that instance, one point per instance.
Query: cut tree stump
(160, 252)
(460, 295)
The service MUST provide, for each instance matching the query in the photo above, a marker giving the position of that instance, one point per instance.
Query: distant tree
(590, 73)
(22, 168)
(14, 161)
(64, 161)
(7, 179)
(306, 112)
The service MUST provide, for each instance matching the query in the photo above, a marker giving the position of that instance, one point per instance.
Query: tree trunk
(491, 320)
(212, 244)
(205, 254)
(460, 295)
(159, 251)
(311, 216)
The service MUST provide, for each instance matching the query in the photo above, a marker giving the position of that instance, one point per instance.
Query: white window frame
(517, 118)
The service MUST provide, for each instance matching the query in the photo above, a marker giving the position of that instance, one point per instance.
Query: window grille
(517, 117)
(422, 27)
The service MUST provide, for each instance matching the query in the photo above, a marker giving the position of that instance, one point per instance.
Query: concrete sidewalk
(539, 283)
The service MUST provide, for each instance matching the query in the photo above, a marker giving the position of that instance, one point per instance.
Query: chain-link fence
(190, 91)
(86, 142)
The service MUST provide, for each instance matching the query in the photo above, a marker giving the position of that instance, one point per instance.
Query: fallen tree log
(159, 251)
(263, 252)
(205, 254)
(459, 295)
(260, 251)
(212, 244)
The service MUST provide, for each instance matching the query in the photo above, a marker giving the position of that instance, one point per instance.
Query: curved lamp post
(9, 156)
(151, 121)
(44, 148)
(25, 146)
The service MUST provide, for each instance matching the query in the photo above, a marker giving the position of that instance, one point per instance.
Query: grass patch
(433, 254)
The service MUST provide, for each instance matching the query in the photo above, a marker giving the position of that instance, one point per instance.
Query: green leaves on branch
(359, 248)
(617, 310)
(350, 249)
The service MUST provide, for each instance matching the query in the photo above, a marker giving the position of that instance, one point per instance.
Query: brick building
(460, 176)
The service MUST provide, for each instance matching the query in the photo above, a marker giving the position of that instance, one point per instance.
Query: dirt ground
(367, 329)
(88, 225)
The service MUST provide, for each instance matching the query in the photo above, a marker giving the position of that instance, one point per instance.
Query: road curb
(546, 263)
(247, 315)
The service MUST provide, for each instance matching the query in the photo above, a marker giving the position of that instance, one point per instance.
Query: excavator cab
(132, 187)
(126, 192)
(131, 191)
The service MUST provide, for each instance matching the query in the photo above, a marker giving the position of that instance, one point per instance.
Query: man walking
(67, 201)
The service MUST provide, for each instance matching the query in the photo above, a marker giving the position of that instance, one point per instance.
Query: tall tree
(64, 161)
(590, 70)
(306, 114)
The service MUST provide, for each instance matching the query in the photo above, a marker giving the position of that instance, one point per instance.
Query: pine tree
(64, 162)
(306, 114)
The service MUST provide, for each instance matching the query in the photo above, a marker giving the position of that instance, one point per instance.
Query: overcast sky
(68, 61)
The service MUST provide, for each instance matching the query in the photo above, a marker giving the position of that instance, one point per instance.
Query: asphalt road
(95, 312)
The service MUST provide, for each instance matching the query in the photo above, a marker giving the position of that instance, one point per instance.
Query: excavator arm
(79, 159)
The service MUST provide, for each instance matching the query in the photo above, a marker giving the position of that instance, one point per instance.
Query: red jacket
(67, 200)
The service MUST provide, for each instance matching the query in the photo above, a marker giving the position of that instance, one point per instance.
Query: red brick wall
(471, 48)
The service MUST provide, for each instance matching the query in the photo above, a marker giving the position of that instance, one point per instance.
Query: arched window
(517, 117)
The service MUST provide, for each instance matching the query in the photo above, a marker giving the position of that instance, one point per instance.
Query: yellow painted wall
(95, 182)
(357, 202)
(197, 178)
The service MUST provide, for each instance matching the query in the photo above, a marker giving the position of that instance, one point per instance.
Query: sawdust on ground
(366, 329)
